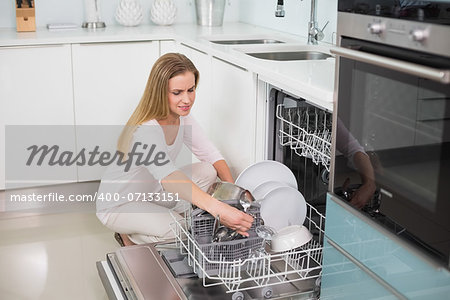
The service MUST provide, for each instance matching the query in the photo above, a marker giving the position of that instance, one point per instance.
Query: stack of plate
(274, 186)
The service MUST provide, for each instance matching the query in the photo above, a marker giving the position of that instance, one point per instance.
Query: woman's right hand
(232, 217)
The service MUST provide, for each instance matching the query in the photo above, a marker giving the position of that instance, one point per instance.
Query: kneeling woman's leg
(202, 174)
(143, 222)
(147, 222)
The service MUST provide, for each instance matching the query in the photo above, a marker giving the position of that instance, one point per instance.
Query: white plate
(261, 190)
(283, 206)
(263, 171)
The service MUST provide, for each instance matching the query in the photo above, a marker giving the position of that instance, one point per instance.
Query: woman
(129, 200)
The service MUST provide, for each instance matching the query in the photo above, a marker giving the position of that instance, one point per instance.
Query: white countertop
(312, 80)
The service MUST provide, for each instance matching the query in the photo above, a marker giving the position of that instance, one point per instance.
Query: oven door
(393, 105)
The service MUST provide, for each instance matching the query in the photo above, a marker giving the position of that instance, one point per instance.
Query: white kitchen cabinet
(109, 80)
(262, 120)
(203, 96)
(35, 89)
(233, 114)
(167, 47)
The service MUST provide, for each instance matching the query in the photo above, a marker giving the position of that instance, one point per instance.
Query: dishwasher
(299, 136)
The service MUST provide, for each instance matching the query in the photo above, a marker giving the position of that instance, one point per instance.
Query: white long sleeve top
(119, 181)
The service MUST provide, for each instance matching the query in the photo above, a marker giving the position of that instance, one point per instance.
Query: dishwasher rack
(255, 271)
(307, 131)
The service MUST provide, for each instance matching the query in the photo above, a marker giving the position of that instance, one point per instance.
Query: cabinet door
(262, 120)
(35, 89)
(109, 80)
(233, 114)
(343, 279)
(167, 47)
(202, 106)
(387, 256)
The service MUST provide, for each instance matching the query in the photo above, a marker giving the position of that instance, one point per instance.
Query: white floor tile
(53, 256)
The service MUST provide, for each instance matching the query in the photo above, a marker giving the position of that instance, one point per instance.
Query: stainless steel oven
(393, 105)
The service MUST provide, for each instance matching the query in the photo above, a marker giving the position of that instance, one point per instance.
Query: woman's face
(181, 94)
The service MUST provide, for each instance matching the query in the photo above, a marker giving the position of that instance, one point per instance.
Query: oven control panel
(419, 36)
(415, 34)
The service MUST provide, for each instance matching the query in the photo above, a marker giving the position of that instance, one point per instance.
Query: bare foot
(126, 240)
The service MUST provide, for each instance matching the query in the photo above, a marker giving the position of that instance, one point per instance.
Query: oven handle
(442, 76)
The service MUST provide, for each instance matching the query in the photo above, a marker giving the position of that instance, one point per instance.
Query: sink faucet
(314, 32)
(279, 12)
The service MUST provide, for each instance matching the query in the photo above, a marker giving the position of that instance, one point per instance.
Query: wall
(262, 13)
(257, 12)
(72, 11)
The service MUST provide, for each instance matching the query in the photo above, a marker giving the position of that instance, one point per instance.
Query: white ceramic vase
(129, 13)
(163, 12)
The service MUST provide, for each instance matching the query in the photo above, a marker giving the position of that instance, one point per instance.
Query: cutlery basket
(202, 223)
(202, 227)
(212, 256)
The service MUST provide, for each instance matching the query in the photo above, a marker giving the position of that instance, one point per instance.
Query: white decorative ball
(163, 12)
(129, 13)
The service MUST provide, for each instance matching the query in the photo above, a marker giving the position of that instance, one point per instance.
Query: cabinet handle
(195, 49)
(109, 282)
(234, 65)
(112, 42)
(366, 270)
(32, 46)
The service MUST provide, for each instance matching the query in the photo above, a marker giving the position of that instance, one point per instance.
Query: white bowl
(290, 237)
(264, 188)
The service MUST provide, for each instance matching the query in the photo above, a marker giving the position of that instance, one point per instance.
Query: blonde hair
(154, 103)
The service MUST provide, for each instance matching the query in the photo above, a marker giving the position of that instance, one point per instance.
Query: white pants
(148, 222)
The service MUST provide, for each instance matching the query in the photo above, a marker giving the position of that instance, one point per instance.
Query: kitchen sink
(247, 42)
(291, 55)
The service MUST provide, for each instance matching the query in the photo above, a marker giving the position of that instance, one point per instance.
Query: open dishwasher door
(138, 272)
(160, 272)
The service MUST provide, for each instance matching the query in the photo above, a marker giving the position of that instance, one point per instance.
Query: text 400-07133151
(138, 196)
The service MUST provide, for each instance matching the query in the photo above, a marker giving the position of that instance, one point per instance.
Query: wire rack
(202, 224)
(254, 271)
(307, 131)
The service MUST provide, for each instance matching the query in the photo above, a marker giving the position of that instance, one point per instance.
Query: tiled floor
(52, 256)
